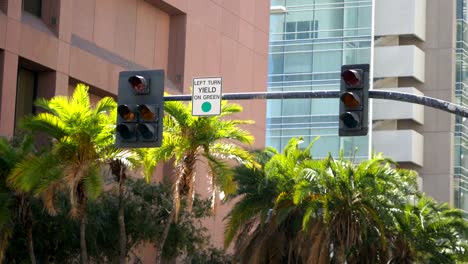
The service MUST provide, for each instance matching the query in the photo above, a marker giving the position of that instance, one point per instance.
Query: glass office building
(309, 41)
(461, 95)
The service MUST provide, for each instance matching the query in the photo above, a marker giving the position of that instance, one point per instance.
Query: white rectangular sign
(206, 96)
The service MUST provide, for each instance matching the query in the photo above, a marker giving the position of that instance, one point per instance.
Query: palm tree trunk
(187, 178)
(341, 253)
(324, 251)
(84, 249)
(32, 256)
(26, 220)
(121, 218)
(164, 235)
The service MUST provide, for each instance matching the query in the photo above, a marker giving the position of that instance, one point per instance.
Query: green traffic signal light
(125, 131)
(146, 131)
(349, 119)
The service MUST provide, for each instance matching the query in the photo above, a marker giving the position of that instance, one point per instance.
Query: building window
(302, 30)
(33, 6)
(26, 92)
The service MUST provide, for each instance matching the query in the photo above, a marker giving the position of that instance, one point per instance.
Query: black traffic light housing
(354, 100)
(140, 109)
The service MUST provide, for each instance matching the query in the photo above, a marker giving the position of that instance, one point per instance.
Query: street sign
(206, 96)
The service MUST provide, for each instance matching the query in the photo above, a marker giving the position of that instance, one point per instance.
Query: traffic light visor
(125, 113)
(138, 84)
(351, 100)
(350, 120)
(352, 77)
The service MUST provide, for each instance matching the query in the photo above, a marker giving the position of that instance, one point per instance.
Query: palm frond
(104, 105)
(80, 97)
(47, 123)
(244, 211)
(230, 131)
(229, 108)
(35, 173)
(180, 112)
(222, 174)
(45, 104)
(93, 182)
(229, 151)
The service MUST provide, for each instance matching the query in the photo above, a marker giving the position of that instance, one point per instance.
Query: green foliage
(79, 133)
(11, 154)
(325, 210)
(57, 239)
(430, 233)
(188, 236)
(81, 142)
(210, 255)
(258, 196)
(188, 139)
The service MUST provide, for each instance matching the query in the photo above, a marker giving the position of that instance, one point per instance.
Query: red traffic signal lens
(124, 131)
(352, 77)
(125, 112)
(350, 120)
(146, 113)
(351, 100)
(146, 131)
(138, 83)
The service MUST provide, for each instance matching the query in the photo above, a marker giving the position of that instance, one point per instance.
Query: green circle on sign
(206, 107)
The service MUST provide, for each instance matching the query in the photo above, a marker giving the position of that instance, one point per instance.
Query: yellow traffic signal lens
(146, 113)
(351, 100)
(125, 112)
(352, 78)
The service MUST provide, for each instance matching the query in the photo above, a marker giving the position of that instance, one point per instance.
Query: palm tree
(192, 141)
(428, 232)
(265, 220)
(15, 205)
(258, 197)
(354, 202)
(79, 133)
(120, 161)
(317, 211)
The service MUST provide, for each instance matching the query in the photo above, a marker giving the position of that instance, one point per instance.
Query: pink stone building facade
(47, 46)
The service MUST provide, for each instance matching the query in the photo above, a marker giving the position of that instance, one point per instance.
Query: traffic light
(140, 109)
(354, 98)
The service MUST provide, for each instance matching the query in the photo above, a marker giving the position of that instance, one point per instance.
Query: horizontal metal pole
(376, 94)
(422, 100)
(264, 95)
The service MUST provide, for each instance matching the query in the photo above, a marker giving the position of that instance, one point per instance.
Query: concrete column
(50, 84)
(9, 76)
(65, 20)
(14, 9)
(61, 84)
